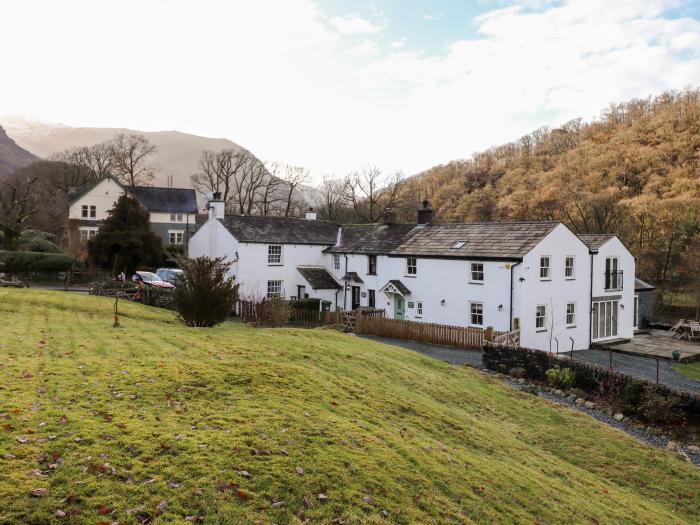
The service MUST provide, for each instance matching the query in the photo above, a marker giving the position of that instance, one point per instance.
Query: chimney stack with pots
(425, 213)
(216, 206)
(311, 215)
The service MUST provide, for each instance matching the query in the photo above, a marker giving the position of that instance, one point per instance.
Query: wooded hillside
(634, 172)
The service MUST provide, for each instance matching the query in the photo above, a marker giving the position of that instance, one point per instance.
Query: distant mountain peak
(12, 156)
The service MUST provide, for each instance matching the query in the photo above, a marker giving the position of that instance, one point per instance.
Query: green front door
(398, 307)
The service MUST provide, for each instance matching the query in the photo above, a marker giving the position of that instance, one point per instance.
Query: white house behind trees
(536, 276)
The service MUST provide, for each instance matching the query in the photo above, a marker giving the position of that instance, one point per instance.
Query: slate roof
(595, 240)
(372, 238)
(488, 240)
(642, 286)
(399, 286)
(318, 277)
(169, 200)
(282, 230)
(352, 276)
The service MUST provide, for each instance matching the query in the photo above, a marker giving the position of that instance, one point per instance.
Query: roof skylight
(458, 245)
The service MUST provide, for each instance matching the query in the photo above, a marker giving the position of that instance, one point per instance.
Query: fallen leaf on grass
(322, 497)
(299, 470)
(22, 439)
(162, 506)
(40, 492)
(226, 487)
(8, 456)
(174, 484)
(63, 420)
(244, 473)
(104, 510)
(35, 472)
(59, 513)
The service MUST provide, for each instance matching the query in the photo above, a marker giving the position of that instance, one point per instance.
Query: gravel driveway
(640, 367)
(456, 356)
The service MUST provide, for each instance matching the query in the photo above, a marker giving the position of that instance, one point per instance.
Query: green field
(691, 370)
(155, 421)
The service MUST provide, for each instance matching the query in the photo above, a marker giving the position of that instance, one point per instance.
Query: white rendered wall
(554, 293)
(614, 248)
(103, 196)
(214, 240)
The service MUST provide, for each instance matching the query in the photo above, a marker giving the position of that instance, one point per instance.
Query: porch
(657, 343)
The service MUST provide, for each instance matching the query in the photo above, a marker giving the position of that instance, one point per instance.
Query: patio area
(659, 343)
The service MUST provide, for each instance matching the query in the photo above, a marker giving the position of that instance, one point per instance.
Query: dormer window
(458, 245)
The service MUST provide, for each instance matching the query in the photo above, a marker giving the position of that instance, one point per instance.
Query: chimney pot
(216, 206)
(311, 214)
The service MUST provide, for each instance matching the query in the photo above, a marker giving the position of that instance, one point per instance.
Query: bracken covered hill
(635, 172)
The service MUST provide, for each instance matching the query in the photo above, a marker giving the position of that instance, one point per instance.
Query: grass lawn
(691, 370)
(156, 421)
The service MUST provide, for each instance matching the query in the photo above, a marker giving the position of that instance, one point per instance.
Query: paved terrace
(658, 343)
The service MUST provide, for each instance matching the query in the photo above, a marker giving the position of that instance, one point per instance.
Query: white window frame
(275, 288)
(635, 313)
(548, 267)
(571, 258)
(85, 211)
(479, 313)
(176, 217)
(541, 320)
(370, 258)
(571, 315)
(87, 233)
(614, 262)
(419, 308)
(274, 258)
(176, 234)
(411, 269)
(473, 272)
(336, 261)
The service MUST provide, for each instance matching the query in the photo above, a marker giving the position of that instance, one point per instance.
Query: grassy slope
(691, 370)
(374, 427)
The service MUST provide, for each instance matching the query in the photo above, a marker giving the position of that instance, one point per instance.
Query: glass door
(604, 320)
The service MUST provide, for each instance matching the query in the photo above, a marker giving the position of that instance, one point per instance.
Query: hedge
(18, 263)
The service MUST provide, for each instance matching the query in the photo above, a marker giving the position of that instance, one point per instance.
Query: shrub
(530, 389)
(659, 409)
(279, 310)
(37, 241)
(204, 295)
(25, 263)
(562, 378)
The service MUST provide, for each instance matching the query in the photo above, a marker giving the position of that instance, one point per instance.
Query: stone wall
(649, 401)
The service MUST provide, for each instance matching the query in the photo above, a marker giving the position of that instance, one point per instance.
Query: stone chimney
(425, 213)
(216, 206)
(311, 215)
(388, 217)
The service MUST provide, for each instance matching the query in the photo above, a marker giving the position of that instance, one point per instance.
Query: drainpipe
(510, 304)
(590, 306)
(345, 286)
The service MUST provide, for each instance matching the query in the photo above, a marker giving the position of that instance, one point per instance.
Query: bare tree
(217, 171)
(330, 199)
(16, 207)
(271, 195)
(293, 177)
(370, 193)
(248, 184)
(129, 153)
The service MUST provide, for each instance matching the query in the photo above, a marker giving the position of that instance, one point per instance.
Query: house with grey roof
(172, 211)
(560, 291)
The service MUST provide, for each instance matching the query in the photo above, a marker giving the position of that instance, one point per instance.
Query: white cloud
(398, 44)
(430, 17)
(354, 25)
(285, 87)
(364, 49)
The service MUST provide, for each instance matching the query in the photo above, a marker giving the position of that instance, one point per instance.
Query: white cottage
(538, 277)
(172, 210)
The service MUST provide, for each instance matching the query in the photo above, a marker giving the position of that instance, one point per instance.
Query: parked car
(169, 275)
(150, 279)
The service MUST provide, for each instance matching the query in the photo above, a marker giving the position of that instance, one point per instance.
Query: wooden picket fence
(437, 334)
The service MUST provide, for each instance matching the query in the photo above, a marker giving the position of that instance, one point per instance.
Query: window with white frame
(411, 266)
(541, 317)
(274, 254)
(476, 314)
(274, 289)
(88, 211)
(86, 234)
(570, 314)
(545, 270)
(336, 261)
(476, 273)
(176, 236)
(419, 308)
(176, 217)
(372, 265)
(569, 267)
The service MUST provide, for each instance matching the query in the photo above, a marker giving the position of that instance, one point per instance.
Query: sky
(335, 85)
